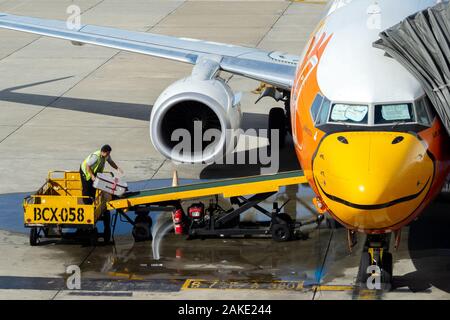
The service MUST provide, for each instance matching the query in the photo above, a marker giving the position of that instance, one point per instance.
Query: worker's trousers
(88, 189)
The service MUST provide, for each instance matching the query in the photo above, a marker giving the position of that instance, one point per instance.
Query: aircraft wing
(274, 67)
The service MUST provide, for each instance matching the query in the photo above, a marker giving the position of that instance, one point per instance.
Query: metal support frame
(377, 241)
(217, 225)
(114, 220)
(244, 206)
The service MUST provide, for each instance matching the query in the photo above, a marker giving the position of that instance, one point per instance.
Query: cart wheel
(144, 218)
(93, 237)
(106, 227)
(142, 228)
(34, 236)
(281, 232)
(141, 231)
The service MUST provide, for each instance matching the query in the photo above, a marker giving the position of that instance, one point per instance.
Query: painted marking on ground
(129, 276)
(100, 294)
(202, 284)
(87, 284)
(117, 287)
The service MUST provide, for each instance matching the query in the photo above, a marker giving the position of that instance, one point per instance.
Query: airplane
(369, 142)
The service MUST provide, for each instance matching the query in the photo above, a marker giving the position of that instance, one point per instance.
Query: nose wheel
(376, 265)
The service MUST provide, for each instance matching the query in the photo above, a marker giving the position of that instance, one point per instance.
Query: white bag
(110, 184)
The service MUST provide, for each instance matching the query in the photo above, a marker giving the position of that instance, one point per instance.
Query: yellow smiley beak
(372, 180)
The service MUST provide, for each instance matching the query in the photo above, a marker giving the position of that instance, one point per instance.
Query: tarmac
(59, 102)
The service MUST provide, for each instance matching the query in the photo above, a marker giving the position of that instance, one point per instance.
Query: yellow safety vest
(97, 167)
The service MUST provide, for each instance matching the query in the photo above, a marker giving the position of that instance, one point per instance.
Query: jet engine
(196, 120)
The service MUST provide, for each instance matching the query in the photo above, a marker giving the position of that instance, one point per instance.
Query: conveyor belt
(227, 188)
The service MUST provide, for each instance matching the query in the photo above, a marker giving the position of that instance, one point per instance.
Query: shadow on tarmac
(429, 248)
(133, 111)
(287, 161)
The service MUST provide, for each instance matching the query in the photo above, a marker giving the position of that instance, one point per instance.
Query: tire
(141, 232)
(281, 232)
(144, 218)
(34, 236)
(363, 266)
(142, 228)
(277, 121)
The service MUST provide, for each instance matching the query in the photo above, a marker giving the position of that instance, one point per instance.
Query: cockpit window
(349, 113)
(316, 106)
(394, 113)
(324, 111)
(422, 106)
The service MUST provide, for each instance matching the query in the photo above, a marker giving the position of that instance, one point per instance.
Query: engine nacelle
(196, 120)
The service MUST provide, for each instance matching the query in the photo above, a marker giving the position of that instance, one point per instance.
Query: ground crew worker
(92, 165)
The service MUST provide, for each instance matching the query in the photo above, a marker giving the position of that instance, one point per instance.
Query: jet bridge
(421, 43)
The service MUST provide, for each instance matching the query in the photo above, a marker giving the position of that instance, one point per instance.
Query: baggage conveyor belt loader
(198, 210)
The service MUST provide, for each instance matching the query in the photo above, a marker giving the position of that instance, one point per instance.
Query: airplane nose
(372, 180)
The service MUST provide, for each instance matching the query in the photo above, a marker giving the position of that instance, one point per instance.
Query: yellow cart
(59, 204)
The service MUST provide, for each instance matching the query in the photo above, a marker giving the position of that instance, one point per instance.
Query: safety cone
(175, 179)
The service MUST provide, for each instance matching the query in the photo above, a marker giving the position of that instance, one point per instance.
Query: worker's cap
(106, 148)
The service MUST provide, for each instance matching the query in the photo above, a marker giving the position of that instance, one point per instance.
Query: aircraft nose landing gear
(375, 269)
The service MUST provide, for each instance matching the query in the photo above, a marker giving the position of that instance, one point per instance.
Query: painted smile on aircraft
(374, 206)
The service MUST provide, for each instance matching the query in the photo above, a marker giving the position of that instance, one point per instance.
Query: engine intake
(195, 120)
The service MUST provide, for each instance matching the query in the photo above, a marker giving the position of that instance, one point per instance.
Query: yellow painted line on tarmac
(368, 294)
(129, 276)
(334, 288)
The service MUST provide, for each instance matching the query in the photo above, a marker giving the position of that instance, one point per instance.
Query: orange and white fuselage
(368, 140)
